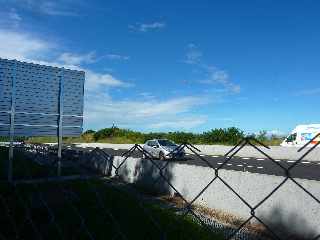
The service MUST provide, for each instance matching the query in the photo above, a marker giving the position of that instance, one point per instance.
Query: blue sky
(178, 65)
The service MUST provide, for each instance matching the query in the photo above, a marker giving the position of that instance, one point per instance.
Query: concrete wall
(275, 152)
(289, 208)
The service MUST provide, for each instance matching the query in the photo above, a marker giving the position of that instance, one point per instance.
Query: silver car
(162, 149)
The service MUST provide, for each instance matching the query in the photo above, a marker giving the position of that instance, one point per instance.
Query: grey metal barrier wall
(37, 100)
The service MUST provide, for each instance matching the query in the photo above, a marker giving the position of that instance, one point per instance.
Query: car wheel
(161, 156)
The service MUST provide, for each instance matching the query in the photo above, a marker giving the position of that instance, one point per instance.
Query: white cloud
(193, 55)
(216, 76)
(186, 123)
(145, 27)
(56, 9)
(48, 7)
(16, 45)
(152, 114)
(25, 47)
(9, 18)
(308, 92)
(117, 57)
(213, 74)
(95, 80)
(77, 59)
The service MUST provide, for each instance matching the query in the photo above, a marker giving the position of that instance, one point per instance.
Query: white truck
(303, 134)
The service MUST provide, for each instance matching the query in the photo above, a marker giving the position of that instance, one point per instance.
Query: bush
(223, 135)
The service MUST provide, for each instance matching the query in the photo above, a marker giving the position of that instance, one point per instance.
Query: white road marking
(306, 162)
(260, 159)
(220, 163)
(259, 167)
(277, 160)
(240, 165)
(245, 158)
(187, 154)
(250, 166)
(229, 164)
(215, 156)
(202, 155)
(290, 161)
(116, 149)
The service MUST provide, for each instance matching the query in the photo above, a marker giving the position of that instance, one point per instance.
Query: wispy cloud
(152, 114)
(48, 7)
(25, 47)
(146, 27)
(10, 18)
(95, 81)
(77, 59)
(186, 123)
(22, 46)
(193, 55)
(56, 9)
(87, 58)
(213, 75)
(117, 57)
(308, 92)
(220, 77)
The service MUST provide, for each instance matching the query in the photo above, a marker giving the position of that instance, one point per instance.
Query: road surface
(304, 170)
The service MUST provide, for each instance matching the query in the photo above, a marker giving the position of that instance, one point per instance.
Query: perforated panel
(37, 94)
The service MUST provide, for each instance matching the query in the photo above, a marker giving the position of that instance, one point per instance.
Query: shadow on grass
(72, 210)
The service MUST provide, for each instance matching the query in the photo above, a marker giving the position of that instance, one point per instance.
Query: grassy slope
(79, 198)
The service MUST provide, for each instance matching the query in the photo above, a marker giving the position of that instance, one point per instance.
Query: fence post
(60, 125)
(12, 114)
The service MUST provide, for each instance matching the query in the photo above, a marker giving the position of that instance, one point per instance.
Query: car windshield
(166, 143)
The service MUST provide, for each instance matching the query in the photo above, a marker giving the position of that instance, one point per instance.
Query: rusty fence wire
(84, 202)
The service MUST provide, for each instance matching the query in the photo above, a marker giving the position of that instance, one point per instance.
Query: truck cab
(303, 134)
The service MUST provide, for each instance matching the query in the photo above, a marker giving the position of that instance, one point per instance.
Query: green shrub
(223, 135)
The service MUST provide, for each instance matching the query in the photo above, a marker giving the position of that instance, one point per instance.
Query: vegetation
(225, 136)
(79, 208)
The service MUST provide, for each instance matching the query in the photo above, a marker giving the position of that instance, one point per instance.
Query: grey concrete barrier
(289, 208)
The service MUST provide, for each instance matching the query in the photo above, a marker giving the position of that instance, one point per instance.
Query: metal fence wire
(34, 205)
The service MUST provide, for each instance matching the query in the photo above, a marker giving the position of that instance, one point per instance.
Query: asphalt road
(304, 170)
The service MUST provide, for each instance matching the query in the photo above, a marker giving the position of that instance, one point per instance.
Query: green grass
(128, 216)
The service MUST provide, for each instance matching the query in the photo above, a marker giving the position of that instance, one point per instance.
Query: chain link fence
(93, 200)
